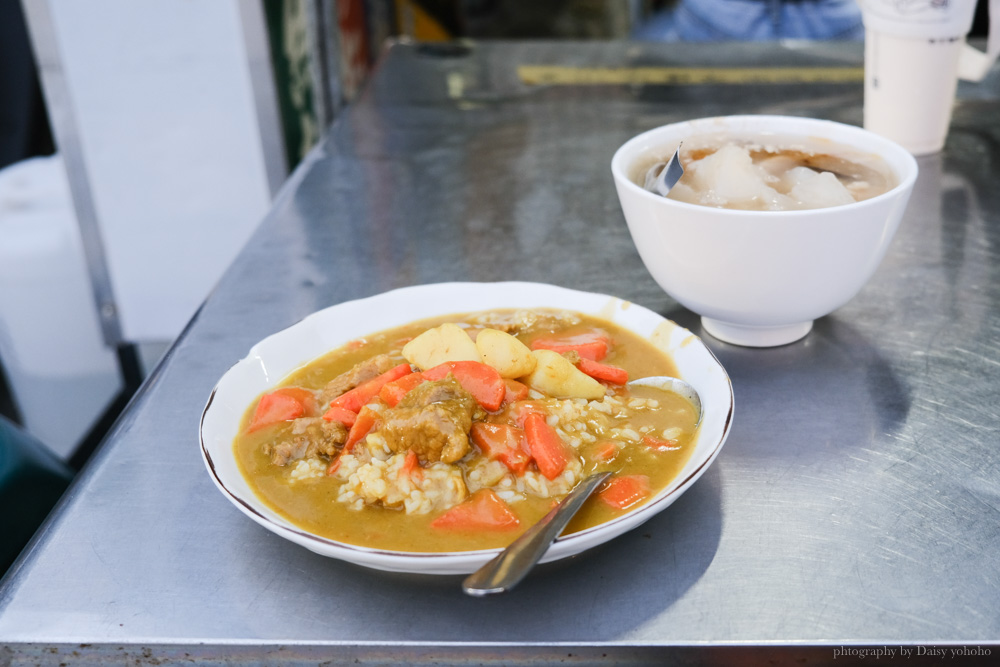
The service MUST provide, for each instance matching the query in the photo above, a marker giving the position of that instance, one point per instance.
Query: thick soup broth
(768, 173)
(391, 490)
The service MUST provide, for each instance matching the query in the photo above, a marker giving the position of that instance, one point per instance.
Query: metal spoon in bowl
(662, 176)
(513, 563)
(675, 385)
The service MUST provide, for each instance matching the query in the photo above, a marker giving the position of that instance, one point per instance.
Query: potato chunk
(557, 376)
(504, 352)
(446, 342)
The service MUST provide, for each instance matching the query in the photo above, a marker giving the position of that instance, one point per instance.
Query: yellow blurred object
(415, 22)
(549, 75)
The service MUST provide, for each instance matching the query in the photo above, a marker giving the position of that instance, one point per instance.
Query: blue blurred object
(32, 480)
(753, 21)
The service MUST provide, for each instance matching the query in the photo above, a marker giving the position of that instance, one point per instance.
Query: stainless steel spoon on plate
(675, 385)
(513, 563)
(661, 177)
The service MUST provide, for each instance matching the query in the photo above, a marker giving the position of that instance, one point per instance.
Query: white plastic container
(915, 52)
(61, 373)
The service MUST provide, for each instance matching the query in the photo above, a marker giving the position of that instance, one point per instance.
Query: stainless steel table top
(856, 502)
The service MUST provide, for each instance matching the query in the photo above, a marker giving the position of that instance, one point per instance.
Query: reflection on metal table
(856, 502)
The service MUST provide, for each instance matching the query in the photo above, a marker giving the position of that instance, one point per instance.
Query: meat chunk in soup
(310, 437)
(433, 420)
(362, 372)
(524, 321)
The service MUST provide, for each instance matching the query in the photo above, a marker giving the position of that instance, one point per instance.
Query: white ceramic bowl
(760, 278)
(276, 356)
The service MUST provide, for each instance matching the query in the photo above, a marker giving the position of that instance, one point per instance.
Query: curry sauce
(641, 433)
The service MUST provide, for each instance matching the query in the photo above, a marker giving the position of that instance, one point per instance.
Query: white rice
(370, 474)
(380, 481)
(306, 469)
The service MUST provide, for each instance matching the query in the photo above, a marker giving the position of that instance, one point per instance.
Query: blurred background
(140, 145)
(142, 142)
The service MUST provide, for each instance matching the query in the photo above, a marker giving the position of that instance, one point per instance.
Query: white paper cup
(915, 53)
(923, 19)
(910, 89)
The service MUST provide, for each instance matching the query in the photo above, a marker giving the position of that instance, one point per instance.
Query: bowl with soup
(776, 221)
(423, 429)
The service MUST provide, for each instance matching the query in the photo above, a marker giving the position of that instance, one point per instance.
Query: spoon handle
(670, 174)
(514, 562)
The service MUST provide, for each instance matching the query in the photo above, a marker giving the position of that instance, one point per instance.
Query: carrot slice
(482, 511)
(477, 378)
(357, 397)
(603, 372)
(304, 396)
(521, 409)
(334, 465)
(515, 391)
(660, 444)
(274, 408)
(593, 345)
(606, 451)
(411, 466)
(342, 415)
(503, 443)
(393, 392)
(624, 491)
(363, 425)
(547, 449)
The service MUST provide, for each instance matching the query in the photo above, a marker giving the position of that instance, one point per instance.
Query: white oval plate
(272, 359)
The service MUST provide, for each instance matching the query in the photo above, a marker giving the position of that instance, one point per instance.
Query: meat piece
(310, 436)
(526, 321)
(362, 372)
(572, 356)
(433, 420)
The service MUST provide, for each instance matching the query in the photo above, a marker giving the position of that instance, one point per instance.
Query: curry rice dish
(459, 432)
